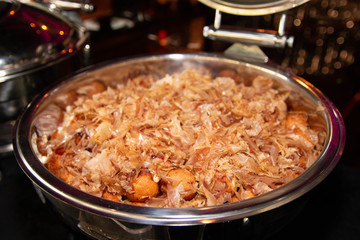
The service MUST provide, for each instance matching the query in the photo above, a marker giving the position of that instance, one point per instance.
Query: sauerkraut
(186, 140)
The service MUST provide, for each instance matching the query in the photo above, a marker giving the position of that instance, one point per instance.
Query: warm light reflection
(70, 50)
(44, 27)
(350, 24)
(340, 40)
(297, 22)
(325, 70)
(12, 12)
(207, 221)
(343, 54)
(61, 32)
(260, 30)
(337, 65)
(246, 221)
(32, 25)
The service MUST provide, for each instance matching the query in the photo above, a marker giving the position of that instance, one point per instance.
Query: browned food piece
(110, 196)
(56, 165)
(66, 99)
(231, 74)
(143, 186)
(181, 181)
(91, 88)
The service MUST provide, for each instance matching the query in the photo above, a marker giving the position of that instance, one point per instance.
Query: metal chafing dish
(104, 219)
(38, 45)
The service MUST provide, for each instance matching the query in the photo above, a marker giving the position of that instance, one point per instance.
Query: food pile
(186, 140)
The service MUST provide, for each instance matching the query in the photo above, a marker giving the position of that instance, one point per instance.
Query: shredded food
(186, 140)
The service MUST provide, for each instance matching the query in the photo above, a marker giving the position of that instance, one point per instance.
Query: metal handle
(255, 37)
(85, 6)
(259, 37)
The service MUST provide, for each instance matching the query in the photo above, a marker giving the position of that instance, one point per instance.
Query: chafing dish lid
(252, 7)
(32, 35)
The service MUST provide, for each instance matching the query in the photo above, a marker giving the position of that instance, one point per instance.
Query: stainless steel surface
(259, 37)
(255, 37)
(83, 6)
(5, 137)
(73, 203)
(252, 7)
(48, 37)
(243, 52)
(37, 47)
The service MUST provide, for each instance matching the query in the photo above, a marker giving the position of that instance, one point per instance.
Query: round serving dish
(110, 217)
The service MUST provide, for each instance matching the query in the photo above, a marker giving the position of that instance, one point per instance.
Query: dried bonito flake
(186, 140)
